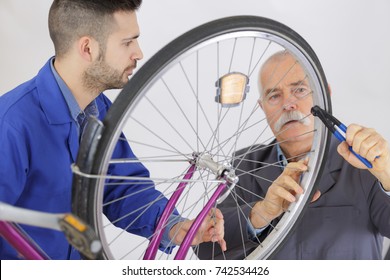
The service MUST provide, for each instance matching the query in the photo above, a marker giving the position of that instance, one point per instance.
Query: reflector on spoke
(232, 89)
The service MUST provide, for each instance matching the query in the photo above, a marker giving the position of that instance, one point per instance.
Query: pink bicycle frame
(19, 240)
(184, 247)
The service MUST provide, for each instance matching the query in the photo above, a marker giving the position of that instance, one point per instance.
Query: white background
(350, 37)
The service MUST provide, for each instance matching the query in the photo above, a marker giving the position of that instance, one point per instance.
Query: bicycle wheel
(197, 97)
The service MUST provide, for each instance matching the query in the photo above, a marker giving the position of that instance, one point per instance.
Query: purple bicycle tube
(151, 251)
(185, 245)
(20, 242)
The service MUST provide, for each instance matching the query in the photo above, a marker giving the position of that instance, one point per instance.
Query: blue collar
(282, 160)
(78, 115)
(73, 106)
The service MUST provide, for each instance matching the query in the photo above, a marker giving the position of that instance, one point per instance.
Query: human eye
(127, 42)
(300, 92)
(274, 97)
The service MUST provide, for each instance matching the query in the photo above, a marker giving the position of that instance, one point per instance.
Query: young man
(42, 120)
(350, 212)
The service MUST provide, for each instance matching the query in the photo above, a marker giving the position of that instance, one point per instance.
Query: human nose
(290, 103)
(137, 54)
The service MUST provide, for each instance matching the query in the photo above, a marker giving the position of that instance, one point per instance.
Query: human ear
(88, 48)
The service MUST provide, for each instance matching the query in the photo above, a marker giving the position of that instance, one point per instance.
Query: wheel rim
(320, 140)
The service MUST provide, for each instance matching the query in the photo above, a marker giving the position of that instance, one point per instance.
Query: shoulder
(25, 97)
(18, 101)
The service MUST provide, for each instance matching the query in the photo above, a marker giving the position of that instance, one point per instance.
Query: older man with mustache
(350, 212)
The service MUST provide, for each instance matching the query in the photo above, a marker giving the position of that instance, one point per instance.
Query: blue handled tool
(331, 123)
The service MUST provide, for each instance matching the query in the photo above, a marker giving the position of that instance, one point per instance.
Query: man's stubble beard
(100, 77)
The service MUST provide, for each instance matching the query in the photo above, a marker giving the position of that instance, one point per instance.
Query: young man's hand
(212, 229)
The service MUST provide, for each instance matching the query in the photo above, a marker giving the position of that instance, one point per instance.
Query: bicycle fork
(229, 180)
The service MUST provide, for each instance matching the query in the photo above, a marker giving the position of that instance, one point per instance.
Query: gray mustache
(291, 116)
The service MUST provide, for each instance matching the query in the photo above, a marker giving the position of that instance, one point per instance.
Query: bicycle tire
(88, 192)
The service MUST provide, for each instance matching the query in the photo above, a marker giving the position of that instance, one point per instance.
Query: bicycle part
(156, 239)
(232, 89)
(80, 236)
(172, 112)
(17, 238)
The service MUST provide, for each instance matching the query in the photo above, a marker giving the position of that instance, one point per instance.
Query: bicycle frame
(16, 237)
(222, 172)
(77, 233)
(21, 242)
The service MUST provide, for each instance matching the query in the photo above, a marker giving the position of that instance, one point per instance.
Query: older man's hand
(371, 145)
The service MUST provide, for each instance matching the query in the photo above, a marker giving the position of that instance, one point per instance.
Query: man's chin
(124, 81)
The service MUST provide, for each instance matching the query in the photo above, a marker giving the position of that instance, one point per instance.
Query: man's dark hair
(70, 20)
